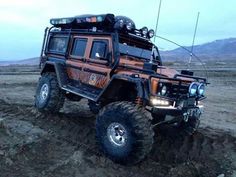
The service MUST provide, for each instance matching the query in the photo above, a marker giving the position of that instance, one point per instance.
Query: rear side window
(79, 47)
(58, 44)
(99, 49)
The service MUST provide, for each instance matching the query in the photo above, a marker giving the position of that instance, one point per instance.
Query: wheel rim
(117, 134)
(44, 92)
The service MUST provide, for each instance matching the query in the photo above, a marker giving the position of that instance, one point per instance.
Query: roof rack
(104, 22)
(85, 21)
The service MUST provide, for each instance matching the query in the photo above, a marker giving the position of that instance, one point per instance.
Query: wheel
(49, 97)
(191, 126)
(124, 132)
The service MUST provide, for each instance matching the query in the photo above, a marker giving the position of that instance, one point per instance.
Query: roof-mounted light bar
(104, 22)
(84, 20)
(61, 21)
(124, 23)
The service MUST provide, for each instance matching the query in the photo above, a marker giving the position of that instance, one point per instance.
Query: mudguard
(59, 69)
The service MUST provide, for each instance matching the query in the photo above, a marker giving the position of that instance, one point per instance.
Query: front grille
(185, 103)
(190, 102)
(177, 91)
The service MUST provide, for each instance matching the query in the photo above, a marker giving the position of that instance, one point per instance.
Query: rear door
(76, 59)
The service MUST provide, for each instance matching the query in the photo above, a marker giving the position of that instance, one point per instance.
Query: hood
(167, 72)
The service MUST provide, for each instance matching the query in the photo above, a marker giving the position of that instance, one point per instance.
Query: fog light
(193, 89)
(144, 31)
(201, 89)
(151, 33)
(121, 23)
(129, 26)
(156, 101)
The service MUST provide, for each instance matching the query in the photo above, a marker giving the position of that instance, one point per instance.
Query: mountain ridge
(218, 50)
(221, 49)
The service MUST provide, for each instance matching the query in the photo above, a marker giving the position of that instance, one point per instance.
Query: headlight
(151, 33)
(163, 90)
(201, 89)
(193, 89)
(144, 31)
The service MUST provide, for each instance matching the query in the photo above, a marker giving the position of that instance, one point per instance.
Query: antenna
(194, 35)
(203, 64)
(155, 35)
(158, 16)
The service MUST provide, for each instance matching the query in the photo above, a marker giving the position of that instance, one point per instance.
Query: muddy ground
(35, 145)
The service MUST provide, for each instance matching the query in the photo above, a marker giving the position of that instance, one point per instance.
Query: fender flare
(139, 85)
(56, 68)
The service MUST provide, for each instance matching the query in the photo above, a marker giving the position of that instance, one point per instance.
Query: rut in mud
(68, 148)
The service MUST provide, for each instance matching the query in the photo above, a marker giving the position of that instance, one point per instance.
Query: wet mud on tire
(70, 144)
(33, 144)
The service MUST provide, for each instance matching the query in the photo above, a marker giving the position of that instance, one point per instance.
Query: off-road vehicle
(107, 60)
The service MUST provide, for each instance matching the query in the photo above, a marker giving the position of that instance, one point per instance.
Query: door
(97, 68)
(88, 65)
(76, 60)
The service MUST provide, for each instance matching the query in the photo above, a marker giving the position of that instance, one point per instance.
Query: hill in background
(29, 61)
(217, 51)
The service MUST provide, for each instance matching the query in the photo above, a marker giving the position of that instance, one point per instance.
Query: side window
(79, 47)
(99, 49)
(58, 44)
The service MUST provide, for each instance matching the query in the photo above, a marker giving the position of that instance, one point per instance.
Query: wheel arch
(56, 68)
(48, 67)
(119, 84)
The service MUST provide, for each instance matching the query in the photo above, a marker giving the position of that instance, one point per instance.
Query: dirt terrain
(35, 145)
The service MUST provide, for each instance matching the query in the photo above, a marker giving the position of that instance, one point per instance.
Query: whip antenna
(158, 16)
(194, 35)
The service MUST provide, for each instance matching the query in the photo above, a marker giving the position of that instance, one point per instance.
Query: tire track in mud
(67, 124)
(200, 154)
(66, 128)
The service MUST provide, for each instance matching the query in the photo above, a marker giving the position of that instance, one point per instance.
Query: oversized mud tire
(124, 132)
(49, 97)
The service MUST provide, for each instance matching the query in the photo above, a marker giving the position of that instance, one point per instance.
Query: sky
(22, 22)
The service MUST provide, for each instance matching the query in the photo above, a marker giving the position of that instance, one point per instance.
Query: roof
(104, 22)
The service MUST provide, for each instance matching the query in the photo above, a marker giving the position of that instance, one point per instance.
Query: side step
(67, 84)
(83, 92)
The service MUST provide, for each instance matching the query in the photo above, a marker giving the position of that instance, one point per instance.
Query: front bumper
(175, 114)
(176, 111)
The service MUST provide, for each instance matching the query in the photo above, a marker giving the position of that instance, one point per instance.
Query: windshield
(148, 55)
(139, 48)
(135, 52)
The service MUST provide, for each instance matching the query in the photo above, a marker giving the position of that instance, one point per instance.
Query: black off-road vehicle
(107, 60)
